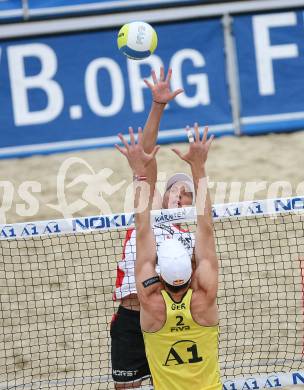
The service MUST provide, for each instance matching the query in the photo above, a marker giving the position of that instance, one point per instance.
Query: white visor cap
(174, 262)
(181, 178)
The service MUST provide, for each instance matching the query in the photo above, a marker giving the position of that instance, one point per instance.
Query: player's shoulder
(204, 309)
(149, 292)
(154, 305)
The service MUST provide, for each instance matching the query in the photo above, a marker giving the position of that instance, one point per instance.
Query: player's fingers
(178, 152)
(154, 78)
(120, 149)
(177, 92)
(169, 74)
(162, 74)
(154, 151)
(132, 138)
(205, 134)
(140, 136)
(121, 137)
(196, 131)
(210, 140)
(148, 84)
(189, 135)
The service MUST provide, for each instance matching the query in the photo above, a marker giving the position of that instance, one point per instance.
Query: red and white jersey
(125, 279)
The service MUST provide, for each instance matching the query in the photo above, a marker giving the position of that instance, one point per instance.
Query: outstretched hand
(161, 92)
(197, 153)
(134, 152)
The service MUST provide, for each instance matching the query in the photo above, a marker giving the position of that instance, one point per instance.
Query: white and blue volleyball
(137, 40)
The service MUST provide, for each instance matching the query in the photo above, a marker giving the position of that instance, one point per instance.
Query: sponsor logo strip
(265, 381)
(126, 220)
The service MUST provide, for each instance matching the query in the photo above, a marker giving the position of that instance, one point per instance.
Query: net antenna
(56, 301)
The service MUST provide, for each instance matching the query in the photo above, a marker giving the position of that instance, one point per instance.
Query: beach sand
(57, 292)
(234, 164)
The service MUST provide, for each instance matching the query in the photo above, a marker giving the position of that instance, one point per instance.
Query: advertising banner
(268, 207)
(78, 91)
(64, 7)
(10, 10)
(270, 52)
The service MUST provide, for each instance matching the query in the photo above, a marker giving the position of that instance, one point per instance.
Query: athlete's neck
(177, 296)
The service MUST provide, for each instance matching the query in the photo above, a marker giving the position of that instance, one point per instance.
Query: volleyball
(137, 40)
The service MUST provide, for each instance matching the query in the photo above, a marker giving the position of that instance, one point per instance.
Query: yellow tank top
(183, 354)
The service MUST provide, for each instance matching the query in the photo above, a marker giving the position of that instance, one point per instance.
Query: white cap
(174, 262)
(182, 178)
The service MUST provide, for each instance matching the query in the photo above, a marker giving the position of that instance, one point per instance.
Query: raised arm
(144, 185)
(161, 95)
(206, 274)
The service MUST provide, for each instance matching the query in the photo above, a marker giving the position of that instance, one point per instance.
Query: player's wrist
(139, 170)
(139, 177)
(198, 170)
(140, 174)
(158, 104)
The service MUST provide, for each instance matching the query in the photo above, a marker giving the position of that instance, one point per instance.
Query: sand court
(56, 292)
(270, 158)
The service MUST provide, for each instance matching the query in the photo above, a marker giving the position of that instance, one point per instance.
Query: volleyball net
(57, 281)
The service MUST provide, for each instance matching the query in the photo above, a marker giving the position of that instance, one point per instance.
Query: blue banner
(10, 10)
(64, 7)
(78, 90)
(270, 52)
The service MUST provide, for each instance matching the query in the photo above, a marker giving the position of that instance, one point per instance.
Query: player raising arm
(178, 311)
(161, 95)
(129, 369)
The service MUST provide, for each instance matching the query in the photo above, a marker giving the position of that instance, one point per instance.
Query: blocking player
(178, 310)
(129, 369)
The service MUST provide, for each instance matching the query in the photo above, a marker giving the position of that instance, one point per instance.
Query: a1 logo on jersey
(183, 352)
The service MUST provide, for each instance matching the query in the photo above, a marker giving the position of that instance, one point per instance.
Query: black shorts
(129, 362)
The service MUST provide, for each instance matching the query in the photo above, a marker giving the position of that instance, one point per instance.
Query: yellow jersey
(182, 353)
